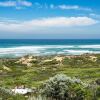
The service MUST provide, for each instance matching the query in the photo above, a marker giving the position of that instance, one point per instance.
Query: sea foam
(48, 50)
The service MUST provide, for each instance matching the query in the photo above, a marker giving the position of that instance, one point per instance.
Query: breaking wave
(48, 50)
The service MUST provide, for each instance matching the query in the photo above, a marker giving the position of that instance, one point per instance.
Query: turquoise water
(17, 48)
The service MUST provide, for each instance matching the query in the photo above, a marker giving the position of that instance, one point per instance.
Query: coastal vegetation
(57, 77)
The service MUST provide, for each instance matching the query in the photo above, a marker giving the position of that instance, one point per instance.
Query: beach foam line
(78, 51)
(89, 46)
(42, 46)
(49, 50)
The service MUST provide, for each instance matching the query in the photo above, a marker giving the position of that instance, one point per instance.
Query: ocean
(21, 47)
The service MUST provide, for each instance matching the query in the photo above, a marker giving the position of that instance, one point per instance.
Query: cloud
(16, 4)
(19, 4)
(8, 4)
(45, 23)
(25, 3)
(69, 7)
(97, 16)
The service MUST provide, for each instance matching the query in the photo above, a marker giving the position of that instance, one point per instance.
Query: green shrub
(6, 94)
(98, 92)
(61, 87)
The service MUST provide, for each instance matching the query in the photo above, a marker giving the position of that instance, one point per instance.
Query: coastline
(52, 55)
(39, 47)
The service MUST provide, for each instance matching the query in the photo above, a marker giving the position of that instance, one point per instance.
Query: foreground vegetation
(62, 87)
(33, 71)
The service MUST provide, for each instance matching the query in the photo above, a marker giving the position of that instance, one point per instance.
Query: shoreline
(53, 55)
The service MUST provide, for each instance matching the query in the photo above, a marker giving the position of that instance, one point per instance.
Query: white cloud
(45, 23)
(38, 5)
(25, 3)
(8, 4)
(16, 4)
(97, 16)
(70, 7)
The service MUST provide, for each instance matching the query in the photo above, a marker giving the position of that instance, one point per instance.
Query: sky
(49, 19)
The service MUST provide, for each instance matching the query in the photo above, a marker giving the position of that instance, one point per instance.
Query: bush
(61, 87)
(53, 62)
(98, 92)
(6, 94)
(98, 81)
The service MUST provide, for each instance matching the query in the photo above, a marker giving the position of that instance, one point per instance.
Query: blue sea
(21, 47)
